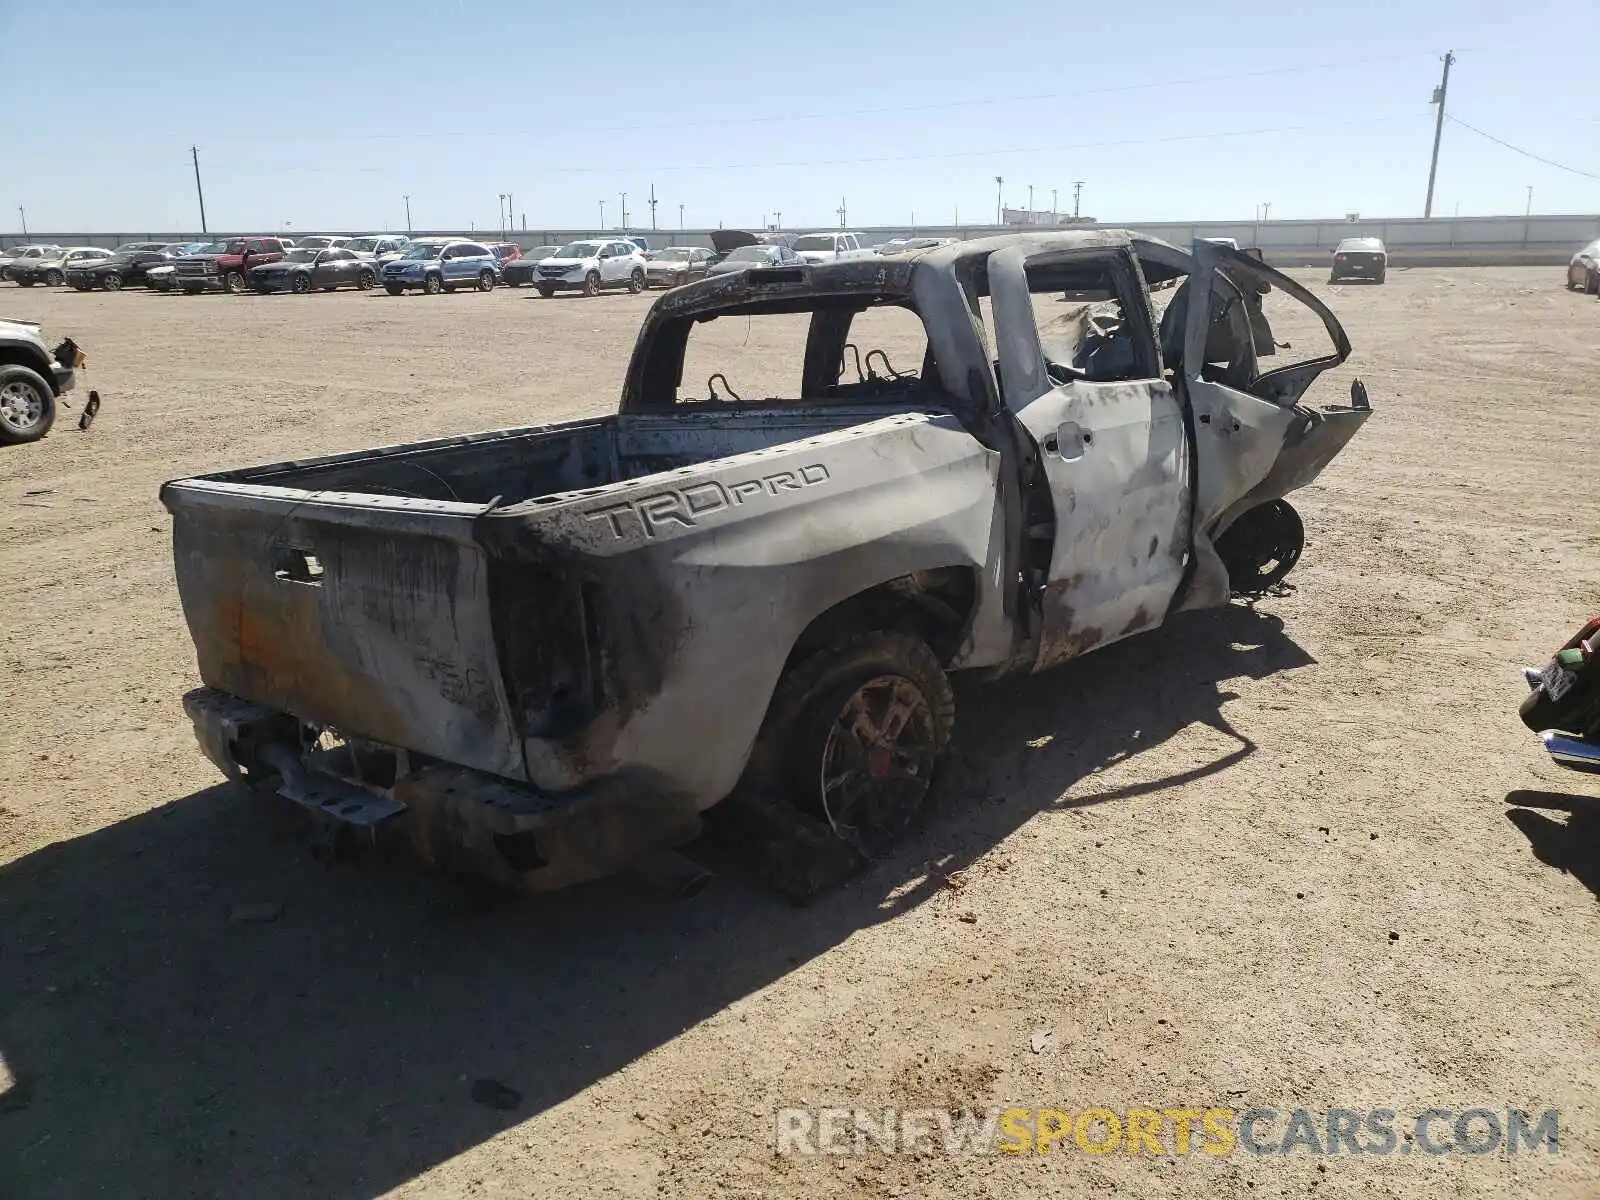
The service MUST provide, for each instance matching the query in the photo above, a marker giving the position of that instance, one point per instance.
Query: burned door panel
(1113, 450)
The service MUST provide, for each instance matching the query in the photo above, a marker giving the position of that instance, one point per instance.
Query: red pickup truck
(226, 265)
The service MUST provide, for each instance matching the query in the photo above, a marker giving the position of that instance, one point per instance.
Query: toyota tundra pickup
(541, 653)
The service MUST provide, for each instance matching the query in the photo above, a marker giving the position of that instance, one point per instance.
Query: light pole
(624, 212)
(778, 216)
(1030, 204)
(23, 213)
(680, 217)
(1528, 212)
(842, 212)
(501, 211)
(1055, 213)
(602, 216)
(999, 199)
(407, 199)
(511, 220)
(652, 208)
(1077, 190)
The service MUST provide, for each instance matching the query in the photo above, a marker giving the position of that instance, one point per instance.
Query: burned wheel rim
(21, 406)
(877, 761)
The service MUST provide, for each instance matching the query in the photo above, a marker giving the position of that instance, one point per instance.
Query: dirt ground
(1301, 854)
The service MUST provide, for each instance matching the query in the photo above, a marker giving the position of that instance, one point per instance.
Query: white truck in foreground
(543, 653)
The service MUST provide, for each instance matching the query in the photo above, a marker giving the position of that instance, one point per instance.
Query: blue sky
(323, 114)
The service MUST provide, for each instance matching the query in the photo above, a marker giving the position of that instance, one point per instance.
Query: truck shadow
(1571, 846)
(326, 1041)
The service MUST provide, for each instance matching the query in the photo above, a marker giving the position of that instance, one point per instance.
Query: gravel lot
(1295, 855)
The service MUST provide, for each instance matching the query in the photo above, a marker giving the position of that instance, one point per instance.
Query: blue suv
(437, 265)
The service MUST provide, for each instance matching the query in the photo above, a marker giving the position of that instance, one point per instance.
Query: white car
(378, 247)
(51, 269)
(321, 241)
(24, 254)
(829, 247)
(590, 266)
(1583, 271)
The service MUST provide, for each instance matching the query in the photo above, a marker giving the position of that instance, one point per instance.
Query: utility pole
(1528, 212)
(999, 199)
(778, 216)
(842, 213)
(652, 208)
(680, 217)
(624, 212)
(1077, 191)
(1030, 204)
(502, 213)
(407, 199)
(194, 153)
(1055, 211)
(1438, 129)
(602, 216)
(23, 213)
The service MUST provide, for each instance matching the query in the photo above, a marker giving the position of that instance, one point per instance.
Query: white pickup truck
(544, 652)
(829, 247)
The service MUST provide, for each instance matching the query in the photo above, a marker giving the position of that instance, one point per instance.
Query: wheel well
(30, 357)
(935, 605)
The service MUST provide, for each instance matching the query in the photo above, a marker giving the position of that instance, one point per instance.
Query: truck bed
(485, 599)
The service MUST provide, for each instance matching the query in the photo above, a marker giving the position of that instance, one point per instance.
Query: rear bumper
(458, 819)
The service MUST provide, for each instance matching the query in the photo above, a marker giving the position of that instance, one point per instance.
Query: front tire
(54, 279)
(27, 405)
(591, 284)
(300, 285)
(486, 281)
(433, 285)
(546, 290)
(1591, 283)
(1261, 547)
(394, 289)
(233, 283)
(365, 280)
(636, 282)
(112, 282)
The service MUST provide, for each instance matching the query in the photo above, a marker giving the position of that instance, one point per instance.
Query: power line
(1549, 162)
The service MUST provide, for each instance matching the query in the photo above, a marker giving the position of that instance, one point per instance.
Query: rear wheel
(486, 281)
(27, 405)
(512, 281)
(233, 282)
(636, 281)
(54, 278)
(433, 285)
(365, 280)
(1591, 283)
(849, 747)
(112, 282)
(301, 284)
(591, 284)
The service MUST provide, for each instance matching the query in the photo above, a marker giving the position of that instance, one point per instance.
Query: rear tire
(486, 281)
(1591, 283)
(233, 282)
(365, 280)
(112, 282)
(512, 282)
(433, 285)
(300, 284)
(27, 405)
(54, 279)
(636, 282)
(852, 737)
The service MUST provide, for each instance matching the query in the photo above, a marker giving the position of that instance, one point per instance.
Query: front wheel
(1261, 547)
(486, 281)
(433, 285)
(27, 405)
(546, 290)
(112, 282)
(591, 284)
(233, 282)
(301, 284)
(394, 289)
(365, 280)
(24, 283)
(512, 281)
(54, 278)
(636, 282)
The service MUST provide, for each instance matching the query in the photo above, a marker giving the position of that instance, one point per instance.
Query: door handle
(1069, 441)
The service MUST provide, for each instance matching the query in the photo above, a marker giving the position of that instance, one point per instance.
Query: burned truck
(538, 654)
